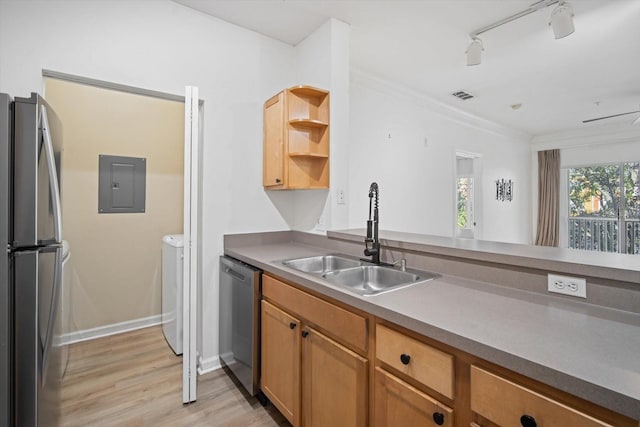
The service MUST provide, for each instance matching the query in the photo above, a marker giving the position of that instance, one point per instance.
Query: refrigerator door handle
(54, 186)
(53, 313)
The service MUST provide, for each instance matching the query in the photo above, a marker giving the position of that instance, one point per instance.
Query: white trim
(103, 84)
(209, 364)
(107, 330)
(459, 116)
(112, 86)
(191, 242)
(592, 135)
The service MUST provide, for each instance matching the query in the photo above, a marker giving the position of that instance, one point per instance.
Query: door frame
(477, 193)
(191, 243)
(191, 227)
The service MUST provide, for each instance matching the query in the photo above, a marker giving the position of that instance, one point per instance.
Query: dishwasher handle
(234, 273)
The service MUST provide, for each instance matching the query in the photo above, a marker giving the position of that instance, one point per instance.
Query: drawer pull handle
(292, 325)
(528, 421)
(305, 334)
(278, 181)
(438, 418)
(405, 359)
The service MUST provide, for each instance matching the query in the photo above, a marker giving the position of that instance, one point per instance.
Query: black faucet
(372, 227)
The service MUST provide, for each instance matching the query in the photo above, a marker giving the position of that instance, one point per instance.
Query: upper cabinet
(296, 139)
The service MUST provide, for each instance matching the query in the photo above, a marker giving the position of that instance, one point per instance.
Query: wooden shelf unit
(296, 139)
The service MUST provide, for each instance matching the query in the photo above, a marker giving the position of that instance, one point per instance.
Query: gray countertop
(586, 350)
(571, 261)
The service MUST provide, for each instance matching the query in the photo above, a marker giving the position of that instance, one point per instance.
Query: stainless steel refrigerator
(30, 268)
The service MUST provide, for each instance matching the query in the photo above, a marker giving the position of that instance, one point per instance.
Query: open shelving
(296, 139)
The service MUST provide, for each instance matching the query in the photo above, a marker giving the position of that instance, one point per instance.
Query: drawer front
(430, 366)
(344, 325)
(400, 404)
(506, 403)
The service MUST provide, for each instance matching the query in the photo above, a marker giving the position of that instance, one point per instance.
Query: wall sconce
(504, 190)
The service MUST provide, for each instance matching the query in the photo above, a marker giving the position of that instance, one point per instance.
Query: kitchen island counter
(583, 349)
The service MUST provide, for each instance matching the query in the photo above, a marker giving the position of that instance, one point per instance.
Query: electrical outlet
(340, 197)
(574, 286)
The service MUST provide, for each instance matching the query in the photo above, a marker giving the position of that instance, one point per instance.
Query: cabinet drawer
(505, 403)
(344, 325)
(400, 404)
(430, 366)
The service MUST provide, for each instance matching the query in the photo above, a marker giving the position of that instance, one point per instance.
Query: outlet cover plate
(566, 285)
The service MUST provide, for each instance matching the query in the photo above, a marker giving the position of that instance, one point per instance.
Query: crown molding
(589, 136)
(360, 77)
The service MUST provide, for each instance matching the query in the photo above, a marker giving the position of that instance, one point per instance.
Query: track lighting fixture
(561, 22)
(474, 52)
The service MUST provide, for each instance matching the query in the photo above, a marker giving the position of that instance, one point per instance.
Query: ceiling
(421, 44)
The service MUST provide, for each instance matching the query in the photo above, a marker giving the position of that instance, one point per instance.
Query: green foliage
(603, 184)
(462, 217)
(464, 189)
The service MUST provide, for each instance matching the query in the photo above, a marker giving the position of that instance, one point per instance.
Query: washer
(172, 255)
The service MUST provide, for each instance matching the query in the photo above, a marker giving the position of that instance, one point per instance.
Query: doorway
(116, 269)
(467, 198)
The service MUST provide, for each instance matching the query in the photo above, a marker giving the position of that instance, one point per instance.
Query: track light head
(562, 20)
(474, 52)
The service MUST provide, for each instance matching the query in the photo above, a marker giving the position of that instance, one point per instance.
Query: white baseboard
(113, 329)
(209, 364)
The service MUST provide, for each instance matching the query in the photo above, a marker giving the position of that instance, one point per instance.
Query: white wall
(322, 60)
(164, 46)
(406, 144)
(614, 152)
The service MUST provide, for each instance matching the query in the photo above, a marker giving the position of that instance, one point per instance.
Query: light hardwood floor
(134, 379)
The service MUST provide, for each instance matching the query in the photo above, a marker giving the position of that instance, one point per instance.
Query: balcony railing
(603, 234)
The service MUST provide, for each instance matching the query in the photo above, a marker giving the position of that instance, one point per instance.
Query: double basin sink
(358, 276)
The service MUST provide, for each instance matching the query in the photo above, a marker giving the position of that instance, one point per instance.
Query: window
(604, 208)
(464, 190)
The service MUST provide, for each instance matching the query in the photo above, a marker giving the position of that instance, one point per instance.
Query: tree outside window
(604, 208)
(465, 202)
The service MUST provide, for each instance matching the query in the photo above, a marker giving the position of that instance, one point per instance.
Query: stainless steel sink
(374, 280)
(322, 264)
(358, 276)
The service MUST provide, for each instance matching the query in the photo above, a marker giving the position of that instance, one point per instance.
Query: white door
(191, 161)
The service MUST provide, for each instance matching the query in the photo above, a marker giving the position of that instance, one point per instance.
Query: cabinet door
(506, 403)
(334, 383)
(273, 156)
(280, 379)
(399, 404)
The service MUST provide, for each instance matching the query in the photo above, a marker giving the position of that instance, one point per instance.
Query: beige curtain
(548, 198)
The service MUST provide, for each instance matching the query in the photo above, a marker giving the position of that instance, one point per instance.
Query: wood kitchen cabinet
(296, 139)
(499, 401)
(280, 360)
(310, 377)
(323, 366)
(334, 383)
(399, 404)
(422, 382)
(417, 360)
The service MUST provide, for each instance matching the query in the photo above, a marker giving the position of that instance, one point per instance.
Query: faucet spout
(371, 242)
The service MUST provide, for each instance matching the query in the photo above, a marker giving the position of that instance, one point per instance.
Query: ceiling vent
(463, 95)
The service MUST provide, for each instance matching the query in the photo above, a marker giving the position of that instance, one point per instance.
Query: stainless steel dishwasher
(240, 286)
